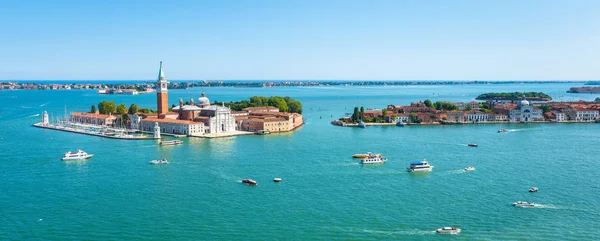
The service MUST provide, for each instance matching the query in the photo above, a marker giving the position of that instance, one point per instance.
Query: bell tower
(162, 97)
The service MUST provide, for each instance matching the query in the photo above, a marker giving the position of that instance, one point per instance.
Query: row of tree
(285, 104)
(440, 105)
(513, 96)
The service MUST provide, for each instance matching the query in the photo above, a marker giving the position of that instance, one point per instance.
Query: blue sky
(300, 40)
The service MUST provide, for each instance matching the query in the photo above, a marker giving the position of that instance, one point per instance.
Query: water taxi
(363, 155)
(472, 145)
(375, 159)
(523, 204)
(502, 130)
(160, 161)
(249, 182)
(171, 143)
(262, 132)
(448, 230)
(420, 166)
(533, 189)
(79, 155)
(277, 179)
(469, 169)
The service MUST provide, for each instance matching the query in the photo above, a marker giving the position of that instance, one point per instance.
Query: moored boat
(533, 189)
(171, 143)
(375, 159)
(400, 123)
(362, 124)
(262, 132)
(448, 230)
(79, 155)
(249, 182)
(523, 204)
(160, 161)
(420, 166)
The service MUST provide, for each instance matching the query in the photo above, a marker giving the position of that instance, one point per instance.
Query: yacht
(363, 155)
(79, 155)
(277, 179)
(420, 166)
(249, 182)
(160, 161)
(502, 130)
(448, 230)
(171, 143)
(375, 159)
(472, 145)
(469, 169)
(362, 124)
(533, 189)
(400, 123)
(523, 204)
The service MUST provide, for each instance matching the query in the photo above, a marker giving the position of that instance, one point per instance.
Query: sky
(300, 40)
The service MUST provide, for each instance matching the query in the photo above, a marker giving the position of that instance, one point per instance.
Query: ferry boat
(502, 130)
(421, 166)
(400, 123)
(277, 179)
(249, 182)
(262, 132)
(362, 124)
(472, 145)
(160, 161)
(363, 155)
(533, 189)
(469, 169)
(448, 230)
(171, 143)
(523, 204)
(375, 159)
(79, 155)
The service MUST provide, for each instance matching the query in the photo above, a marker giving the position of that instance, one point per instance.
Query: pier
(111, 135)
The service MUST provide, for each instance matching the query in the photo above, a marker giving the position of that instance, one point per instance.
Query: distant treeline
(285, 104)
(514, 96)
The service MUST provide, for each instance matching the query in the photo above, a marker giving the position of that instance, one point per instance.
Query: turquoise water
(325, 194)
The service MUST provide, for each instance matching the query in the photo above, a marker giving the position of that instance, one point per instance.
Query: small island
(535, 96)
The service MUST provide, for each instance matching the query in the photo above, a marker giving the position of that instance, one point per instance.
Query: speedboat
(472, 144)
(448, 230)
(420, 166)
(171, 143)
(160, 161)
(263, 132)
(362, 124)
(533, 189)
(502, 130)
(523, 204)
(363, 155)
(375, 159)
(277, 179)
(400, 123)
(79, 155)
(469, 169)
(249, 182)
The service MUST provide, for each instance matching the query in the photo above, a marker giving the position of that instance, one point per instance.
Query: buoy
(277, 179)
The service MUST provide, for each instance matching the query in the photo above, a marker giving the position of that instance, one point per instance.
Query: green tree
(597, 99)
(93, 110)
(107, 107)
(121, 109)
(468, 107)
(384, 113)
(279, 103)
(546, 108)
(355, 115)
(428, 103)
(362, 113)
(133, 108)
(259, 101)
(414, 118)
(295, 106)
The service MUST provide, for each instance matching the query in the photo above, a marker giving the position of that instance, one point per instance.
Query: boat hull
(428, 169)
(77, 158)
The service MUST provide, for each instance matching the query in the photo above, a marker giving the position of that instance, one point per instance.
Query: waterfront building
(405, 118)
(456, 116)
(497, 117)
(177, 127)
(474, 105)
(261, 109)
(525, 112)
(270, 120)
(559, 116)
(586, 115)
(45, 120)
(92, 118)
(476, 117)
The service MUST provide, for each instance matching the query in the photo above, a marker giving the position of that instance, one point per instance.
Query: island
(584, 90)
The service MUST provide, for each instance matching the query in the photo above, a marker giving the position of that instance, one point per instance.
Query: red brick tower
(162, 97)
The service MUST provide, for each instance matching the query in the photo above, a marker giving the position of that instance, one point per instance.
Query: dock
(73, 130)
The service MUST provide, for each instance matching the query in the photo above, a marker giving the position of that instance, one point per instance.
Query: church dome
(523, 102)
(203, 101)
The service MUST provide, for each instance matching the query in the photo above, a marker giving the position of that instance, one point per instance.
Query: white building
(525, 112)
(477, 117)
(560, 116)
(586, 115)
(177, 127)
(400, 118)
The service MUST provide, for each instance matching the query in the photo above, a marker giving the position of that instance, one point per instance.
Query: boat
(375, 159)
(469, 169)
(523, 204)
(448, 230)
(249, 182)
(262, 132)
(533, 189)
(363, 155)
(420, 166)
(502, 130)
(362, 124)
(79, 155)
(171, 143)
(160, 161)
(277, 179)
(472, 145)
(400, 123)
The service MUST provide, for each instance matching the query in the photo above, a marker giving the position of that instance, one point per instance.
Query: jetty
(111, 135)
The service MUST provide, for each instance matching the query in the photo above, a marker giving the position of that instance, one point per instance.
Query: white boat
(249, 182)
(362, 124)
(375, 159)
(171, 143)
(448, 230)
(160, 161)
(79, 155)
(533, 189)
(363, 155)
(469, 169)
(502, 130)
(400, 124)
(523, 204)
(277, 179)
(420, 166)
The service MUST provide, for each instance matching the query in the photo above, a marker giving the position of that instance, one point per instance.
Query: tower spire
(161, 75)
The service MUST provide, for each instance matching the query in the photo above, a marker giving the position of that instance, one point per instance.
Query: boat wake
(401, 232)
(42, 105)
(550, 206)
(26, 107)
(33, 115)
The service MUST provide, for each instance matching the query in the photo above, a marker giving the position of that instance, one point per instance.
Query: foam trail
(42, 105)
(33, 115)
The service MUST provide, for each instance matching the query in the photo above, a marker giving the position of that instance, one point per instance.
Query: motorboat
(400, 124)
(277, 179)
(262, 132)
(448, 230)
(171, 143)
(375, 159)
(523, 204)
(79, 155)
(362, 124)
(420, 166)
(502, 130)
(472, 145)
(469, 169)
(160, 161)
(249, 182)
(533, 189)
(363, 155)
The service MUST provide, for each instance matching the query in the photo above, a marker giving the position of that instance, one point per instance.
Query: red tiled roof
(152, 119)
